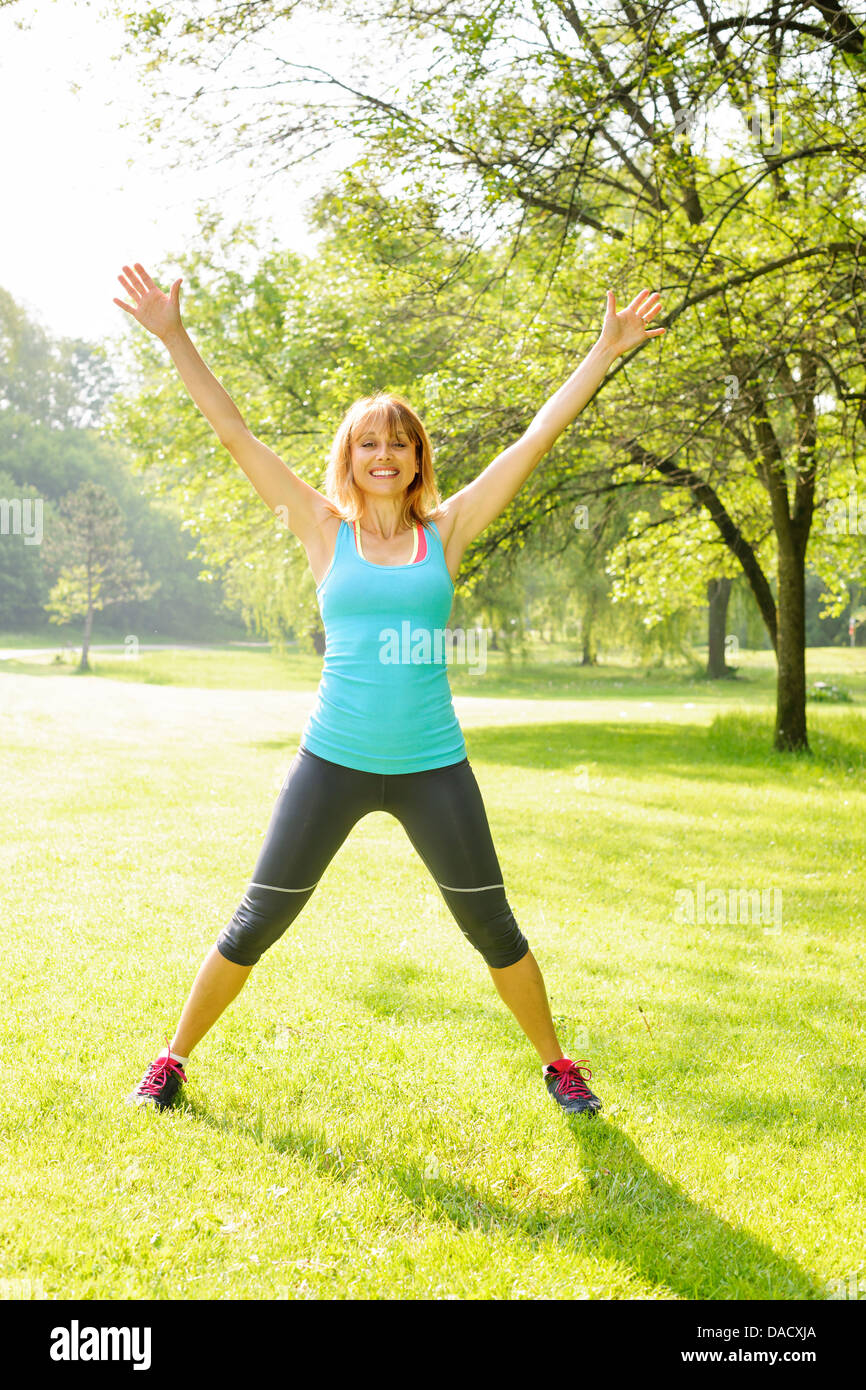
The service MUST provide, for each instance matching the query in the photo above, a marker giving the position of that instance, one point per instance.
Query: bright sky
(82, 196)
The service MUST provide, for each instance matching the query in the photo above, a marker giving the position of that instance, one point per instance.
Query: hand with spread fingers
(627, 328)
(156, 311)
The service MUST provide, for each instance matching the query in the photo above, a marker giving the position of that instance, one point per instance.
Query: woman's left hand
(627, 329)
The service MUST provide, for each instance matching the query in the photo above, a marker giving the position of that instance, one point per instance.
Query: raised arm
(473, 508)
(301, 506)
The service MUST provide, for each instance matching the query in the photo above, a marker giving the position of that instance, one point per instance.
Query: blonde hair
(393, 413)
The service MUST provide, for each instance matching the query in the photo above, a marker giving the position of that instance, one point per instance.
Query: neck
(382, 518)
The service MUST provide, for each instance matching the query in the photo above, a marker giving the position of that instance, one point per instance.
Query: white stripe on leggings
(482, 889)
(283, 890)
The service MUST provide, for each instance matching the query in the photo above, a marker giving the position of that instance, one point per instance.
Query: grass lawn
(367, 1120)
(551, 671)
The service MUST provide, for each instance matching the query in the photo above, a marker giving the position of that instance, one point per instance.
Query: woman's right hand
(154, 310)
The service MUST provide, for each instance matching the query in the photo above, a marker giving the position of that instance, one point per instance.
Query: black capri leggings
(443, 814)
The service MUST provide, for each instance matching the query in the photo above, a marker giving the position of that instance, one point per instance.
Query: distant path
(21, 653)
(104, 711)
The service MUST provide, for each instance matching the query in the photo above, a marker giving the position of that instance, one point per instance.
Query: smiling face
(384, 459)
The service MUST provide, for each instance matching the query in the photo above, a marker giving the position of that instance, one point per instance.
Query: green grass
(367, 1120)
(552, 671)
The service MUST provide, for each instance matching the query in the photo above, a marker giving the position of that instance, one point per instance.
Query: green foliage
(53, 398)
(92, 556)
(55, 383)
(23, 586)
(560, 151)
(824, 692)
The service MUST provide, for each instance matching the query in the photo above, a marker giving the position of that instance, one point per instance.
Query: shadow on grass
(544, 680)
(14, 667)
(623, 1211)
(626, 1213)
(733, 747)
(619, 1210)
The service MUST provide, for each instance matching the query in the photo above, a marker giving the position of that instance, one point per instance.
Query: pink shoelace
(571, 1082)
(154, 1078)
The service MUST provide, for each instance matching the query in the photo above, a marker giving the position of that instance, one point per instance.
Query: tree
(95, 561)
(53, 395)
(60, 383)
(716, 154)
(22, 583)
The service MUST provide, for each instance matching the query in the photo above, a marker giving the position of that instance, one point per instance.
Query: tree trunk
(84, 664)
(718, 594)
(790, 731)
(588, 659)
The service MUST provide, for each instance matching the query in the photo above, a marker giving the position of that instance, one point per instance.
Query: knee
(244, 942)
(506, 950)
(258, 921)
(232, 947)
(495, 934)
(508, 954)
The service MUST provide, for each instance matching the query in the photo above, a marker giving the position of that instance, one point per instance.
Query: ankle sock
(175, 1056)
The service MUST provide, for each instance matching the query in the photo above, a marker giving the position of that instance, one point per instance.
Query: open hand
(154, 310)
(627, 328)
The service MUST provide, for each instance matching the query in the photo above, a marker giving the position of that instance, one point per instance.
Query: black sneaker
(160, 1083)
(565, 1083)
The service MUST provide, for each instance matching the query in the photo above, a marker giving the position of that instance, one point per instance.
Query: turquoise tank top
(384, 702)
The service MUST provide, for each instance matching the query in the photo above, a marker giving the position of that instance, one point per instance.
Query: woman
(383, 735)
